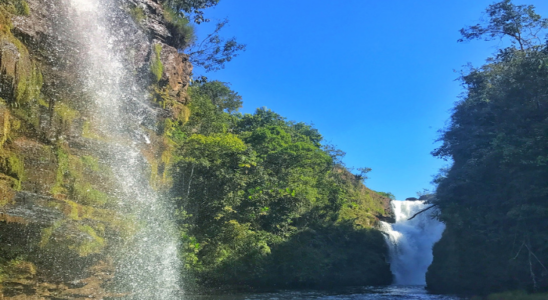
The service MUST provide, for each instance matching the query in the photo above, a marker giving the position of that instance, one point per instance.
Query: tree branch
(531, 252)
(420, 212)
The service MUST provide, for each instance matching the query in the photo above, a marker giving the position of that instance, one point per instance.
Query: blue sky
(376, 78)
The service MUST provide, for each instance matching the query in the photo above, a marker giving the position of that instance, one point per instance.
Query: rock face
(57, 221)
(32, 208)
(389, 215)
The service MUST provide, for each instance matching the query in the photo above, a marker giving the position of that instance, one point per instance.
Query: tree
(362, 175)
(192, 8)
(493, 198)
(220, 95)
(215, 51)
(519, 22)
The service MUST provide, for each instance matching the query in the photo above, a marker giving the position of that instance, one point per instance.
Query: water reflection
(377, 293)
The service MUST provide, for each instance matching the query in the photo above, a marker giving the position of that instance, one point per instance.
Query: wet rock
(40, 162)
(31, 208)
(388, 219)
(44, 218)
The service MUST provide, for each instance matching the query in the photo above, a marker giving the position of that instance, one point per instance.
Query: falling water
(148, 265)
(410, 241)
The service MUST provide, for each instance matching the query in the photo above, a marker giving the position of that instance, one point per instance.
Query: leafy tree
(192, 8)
(210, 103)
(220, 95)
(519, 22)
(215, 51)
(388, 195)
(182, 33)
(362, 173)
(493, 199)
(251, 187)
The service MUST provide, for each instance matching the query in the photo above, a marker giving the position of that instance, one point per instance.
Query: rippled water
(377, 293)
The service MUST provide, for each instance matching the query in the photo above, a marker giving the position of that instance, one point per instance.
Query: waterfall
(147, 266)
(410, 241)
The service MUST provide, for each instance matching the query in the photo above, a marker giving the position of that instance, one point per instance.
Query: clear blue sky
(376, 78)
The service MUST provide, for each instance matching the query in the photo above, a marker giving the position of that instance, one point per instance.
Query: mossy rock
(156, 65)
(16, 7)
(20, 79)
(40, 165)
(12, 167)
(82, 179)
(84, 239)
(64, 117)
(159, 157)
(7, 193)
(17, 269)
(137, 13)
(8, 124)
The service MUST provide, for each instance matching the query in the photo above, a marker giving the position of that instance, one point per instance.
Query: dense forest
(493, 198)
(263, 201)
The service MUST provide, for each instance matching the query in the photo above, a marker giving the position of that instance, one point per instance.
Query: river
(392, 292)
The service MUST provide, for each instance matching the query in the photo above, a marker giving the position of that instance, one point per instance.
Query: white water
(147, 264)
(411, 241)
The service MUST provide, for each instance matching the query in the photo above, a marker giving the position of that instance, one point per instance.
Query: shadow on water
(392, 292)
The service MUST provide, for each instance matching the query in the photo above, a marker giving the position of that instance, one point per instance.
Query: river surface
(377, 293)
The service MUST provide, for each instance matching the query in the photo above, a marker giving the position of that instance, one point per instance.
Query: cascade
(147, 266)
(410, 242)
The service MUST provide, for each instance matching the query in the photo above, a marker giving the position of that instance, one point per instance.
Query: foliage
(182, 33)
(177, 14)
(493, 198)
(251, 189)
(192, 8)
(214, 51)
(156, 66)
(519, 22)
(387, 195)
(516, 295)
(137, 14)
(19, 7)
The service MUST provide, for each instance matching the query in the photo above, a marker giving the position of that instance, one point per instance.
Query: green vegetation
(137, 13)
(191, 8)
(12, 166)
(212, 52)
(65, 115)
(262, 202)
(182, 32)
(16, 269)
(89, 246)
(215, 51)
(517, 295)
(17, 7)
(156, 66)
(493, 198)
(387, 195)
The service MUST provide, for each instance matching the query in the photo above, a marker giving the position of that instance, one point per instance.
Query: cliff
(58, 222)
